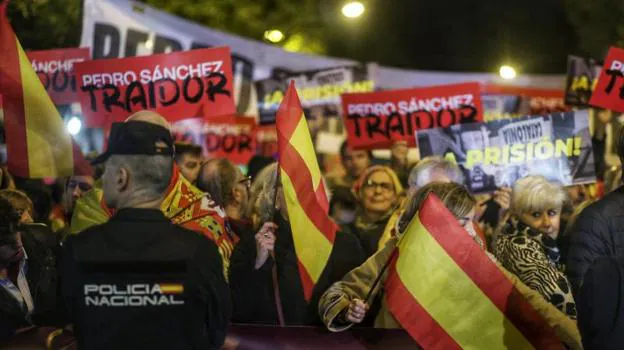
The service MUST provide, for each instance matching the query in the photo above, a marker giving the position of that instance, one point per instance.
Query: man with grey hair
(434, 169)
(139, 281)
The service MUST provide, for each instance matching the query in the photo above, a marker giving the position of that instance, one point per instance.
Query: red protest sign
(228, 137)
(609, 92)
(378, 119)
(55, 69)
(179, 85)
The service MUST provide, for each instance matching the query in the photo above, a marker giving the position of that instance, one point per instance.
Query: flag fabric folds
(448, 294)
(37, 143)
(306, 200)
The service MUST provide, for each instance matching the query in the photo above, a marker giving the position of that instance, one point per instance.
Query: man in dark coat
(598, 232)
(139, 281)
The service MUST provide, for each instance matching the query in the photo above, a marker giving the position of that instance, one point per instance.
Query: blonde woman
(526, 244)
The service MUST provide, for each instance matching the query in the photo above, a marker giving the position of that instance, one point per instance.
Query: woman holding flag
(434, 281)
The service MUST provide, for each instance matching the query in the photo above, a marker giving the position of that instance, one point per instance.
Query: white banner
(123, 28)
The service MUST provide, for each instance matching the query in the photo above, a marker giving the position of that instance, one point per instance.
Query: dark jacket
(141, 282)
(601, 305)
(252, 290)
(41, 246)
(368, 234)
(598, 231)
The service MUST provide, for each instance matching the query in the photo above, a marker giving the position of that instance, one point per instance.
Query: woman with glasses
(527, 244)
(264, 269)
(378, 193)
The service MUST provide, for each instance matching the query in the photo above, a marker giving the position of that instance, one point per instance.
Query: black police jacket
(141, 282)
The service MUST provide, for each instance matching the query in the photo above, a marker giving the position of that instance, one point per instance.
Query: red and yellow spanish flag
(448, 294)
(312, 229)
(38, 144)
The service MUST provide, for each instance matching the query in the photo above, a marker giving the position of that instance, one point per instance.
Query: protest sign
(609, 92)
(228, 137)
(504, 102)
(496, 154)
(266, 141)
(581, 80)
(196, 83)
(319, 90)
(378, 119)
(55, 69)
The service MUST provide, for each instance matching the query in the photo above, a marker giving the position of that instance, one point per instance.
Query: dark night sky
(533, 35)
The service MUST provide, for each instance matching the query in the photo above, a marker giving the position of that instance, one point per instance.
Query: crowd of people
(162, 241)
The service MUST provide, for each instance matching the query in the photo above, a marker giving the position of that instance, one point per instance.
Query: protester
(434, 169)
(601, 305)
(399, 162)
(265, 266)
(230, 189)
(354, 163)
(256, 164)
(342, 206)
(21, 203)
(597, 232)
(188, 158)
(27, 273)
(139, 281)
(344, 303)
(563, 240)
(75, 188)
(378, 192)
(527, 244)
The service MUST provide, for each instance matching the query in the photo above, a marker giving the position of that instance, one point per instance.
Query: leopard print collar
(515, 227)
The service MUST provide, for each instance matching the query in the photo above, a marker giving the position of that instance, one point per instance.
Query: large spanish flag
(312, 229)
(447, 294)
(38, 144)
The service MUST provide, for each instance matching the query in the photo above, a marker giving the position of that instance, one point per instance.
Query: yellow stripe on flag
(312, 247)
(490, 330)
(49, 144)
(302, 143)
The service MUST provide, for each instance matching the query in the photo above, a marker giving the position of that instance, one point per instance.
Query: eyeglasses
(84, 187)
(246, 181)
(385, 186)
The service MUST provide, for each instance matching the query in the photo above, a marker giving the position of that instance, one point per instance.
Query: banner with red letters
(231, 137)
(376, 120)
(55, 69)
(179, 85)
(609, 92)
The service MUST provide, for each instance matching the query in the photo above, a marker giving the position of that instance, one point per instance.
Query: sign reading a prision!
(378, 119)
(55, 69)
(196, 83)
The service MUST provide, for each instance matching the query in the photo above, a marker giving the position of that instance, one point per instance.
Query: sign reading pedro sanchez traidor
(179, 85)
(609, 92)
(376, 120)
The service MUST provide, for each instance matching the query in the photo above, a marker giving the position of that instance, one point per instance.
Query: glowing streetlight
(274, 35)
(507, 72)
(74, 125)
(353, 9)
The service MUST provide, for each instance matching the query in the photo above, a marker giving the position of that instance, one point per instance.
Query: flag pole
(276, 289)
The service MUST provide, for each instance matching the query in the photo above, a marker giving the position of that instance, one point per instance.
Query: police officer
(138, 281)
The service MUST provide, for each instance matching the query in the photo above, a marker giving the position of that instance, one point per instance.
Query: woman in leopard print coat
(526, 244)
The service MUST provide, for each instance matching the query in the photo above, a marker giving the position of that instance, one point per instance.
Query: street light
(74, 125)
(507, 72)
(274, 35)
(353, 9)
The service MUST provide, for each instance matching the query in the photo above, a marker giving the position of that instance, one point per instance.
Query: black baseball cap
(137, 138)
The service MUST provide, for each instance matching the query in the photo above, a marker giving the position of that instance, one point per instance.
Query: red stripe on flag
(321, 197)
(12, 99)
(416, 320)
(292, 163)
(486, 274)
(306, 281)
(289, 113)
